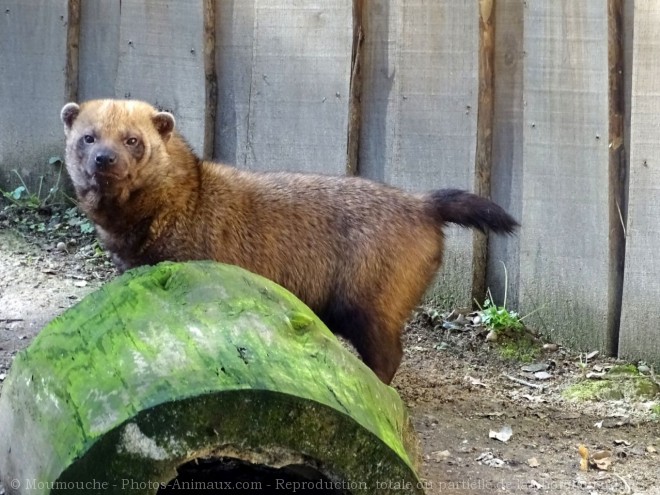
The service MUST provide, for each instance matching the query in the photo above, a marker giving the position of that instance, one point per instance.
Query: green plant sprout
(22, 196)
(498, 318)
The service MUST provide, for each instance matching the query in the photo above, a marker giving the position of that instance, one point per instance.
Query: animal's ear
(68, 114)
(164, 123)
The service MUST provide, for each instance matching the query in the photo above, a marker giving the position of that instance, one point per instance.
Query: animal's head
(113, 144)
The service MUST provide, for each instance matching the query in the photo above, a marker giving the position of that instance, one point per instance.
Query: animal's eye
(131, 141)
(89, 139)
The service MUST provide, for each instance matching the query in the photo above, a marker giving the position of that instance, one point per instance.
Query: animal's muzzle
(105, 158)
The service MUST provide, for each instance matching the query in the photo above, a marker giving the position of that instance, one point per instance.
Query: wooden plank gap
(211, 78)
(355, 95)
(484, 145)
(72, 51)
(618, 170)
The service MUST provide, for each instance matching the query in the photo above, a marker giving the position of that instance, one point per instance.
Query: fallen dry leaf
(503, 435)
(601, 459)
(535, 484)
(615, 422)
(475, 381)
(584, 454)
(488, 459)
(440, 455)
(493, 414)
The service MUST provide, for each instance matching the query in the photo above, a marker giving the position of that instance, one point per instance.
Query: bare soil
(456, 384)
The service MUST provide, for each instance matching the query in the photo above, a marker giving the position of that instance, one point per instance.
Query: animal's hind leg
(377, 343)
(381, 350)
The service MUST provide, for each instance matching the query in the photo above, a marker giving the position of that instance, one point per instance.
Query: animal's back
(314, 234)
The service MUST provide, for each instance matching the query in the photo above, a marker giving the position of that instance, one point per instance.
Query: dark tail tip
(469, 210)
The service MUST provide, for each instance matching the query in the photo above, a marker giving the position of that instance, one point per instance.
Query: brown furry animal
(360, 254)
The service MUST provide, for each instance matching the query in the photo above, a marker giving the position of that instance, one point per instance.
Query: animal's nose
(104, 158)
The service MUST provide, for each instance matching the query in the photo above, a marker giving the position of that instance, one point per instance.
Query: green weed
(500, 319)
(513, 341)
(655, 410)
(23, 197)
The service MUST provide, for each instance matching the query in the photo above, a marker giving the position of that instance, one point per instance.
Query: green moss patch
(620, 382)
(178, 361)
(522, 348)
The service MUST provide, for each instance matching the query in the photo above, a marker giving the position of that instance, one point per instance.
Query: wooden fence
(552, 108)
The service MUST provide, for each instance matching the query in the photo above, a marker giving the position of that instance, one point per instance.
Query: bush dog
(358, 253)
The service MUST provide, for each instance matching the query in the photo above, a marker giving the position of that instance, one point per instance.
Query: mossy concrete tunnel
(190, 364)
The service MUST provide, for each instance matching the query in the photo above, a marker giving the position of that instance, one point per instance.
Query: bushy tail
(469, 210)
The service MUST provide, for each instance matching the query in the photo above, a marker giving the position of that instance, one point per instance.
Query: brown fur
(360, 254)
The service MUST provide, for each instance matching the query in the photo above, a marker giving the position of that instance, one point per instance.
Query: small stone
(550, 347)
(542, 375)
(61, 246)
(492, 336)
(440, 455)
(535, 484)
(533, 368)
(503, 435)
(651, 449)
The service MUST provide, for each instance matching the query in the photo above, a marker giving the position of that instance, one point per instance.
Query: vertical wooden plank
(639, 337)
(507, 166)
(617, 169)
(299, 91)
(564, 254)
(284, 75)
(99, 49)
(484, 151)
(161, 60)
(210, 77)
(355, 96)
(234, 22)
(72, 51)
(33, 85)
(419, 110)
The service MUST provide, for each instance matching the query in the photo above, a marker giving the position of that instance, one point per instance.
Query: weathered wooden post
(198, 371)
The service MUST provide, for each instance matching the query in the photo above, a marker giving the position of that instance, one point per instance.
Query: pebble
(533, 368)
(542, 375)
(61, 246)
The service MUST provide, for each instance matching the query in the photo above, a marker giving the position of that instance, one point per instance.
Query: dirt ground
(456, 384)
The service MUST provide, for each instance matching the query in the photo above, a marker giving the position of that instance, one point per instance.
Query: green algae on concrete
(179, 361)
